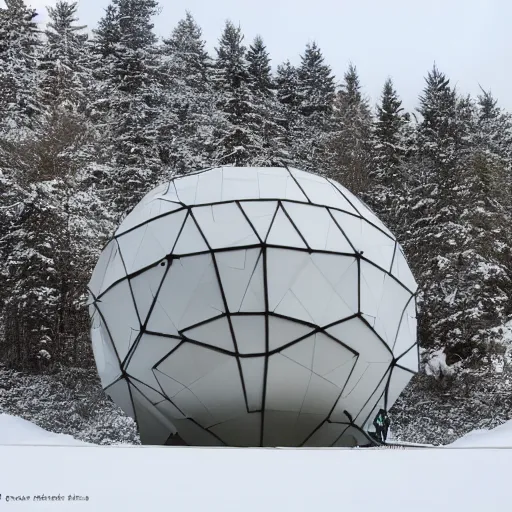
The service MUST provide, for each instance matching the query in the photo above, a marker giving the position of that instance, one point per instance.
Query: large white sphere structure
(253, 307)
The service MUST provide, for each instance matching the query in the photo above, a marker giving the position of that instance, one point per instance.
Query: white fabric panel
(372, 288)
(276, 183)
(148, 208)
(260, 215)
(253, 370)
(399, 380)
(186, 188)
(363, 210)
(410, 359)
(329, 355)
(120, 393)
(340, 375)
(149, 351)
(283, 232)
(123, 323)
(108, 270)
(351, 438)
(320, 191)
(320, 396)
(407, 332)
(249, 333)
(103, 351)
(190, 240)
(154, 428)
(240, 183)
(170, 193)
(209, 187)
(169, 386)
(190, 294)
(169, 410)
(287, 383)
(194, 435)
(283, 268)
(375, 245)
(224, 225)
(366, 409)
(342, 273)
(326, 435)
(151, 394)
(358, 336)
(146, 245)
(291, 306)
(288, 428)
(317, 227)
(215, 333)
(402, 271)
(221, 391)
(302, 352)
(242, 431)
(316, 296)
(192, 407)
(361, 385)
(282, 331)
(145, 288)
(393, 301)
(241, 274)
(190, 363)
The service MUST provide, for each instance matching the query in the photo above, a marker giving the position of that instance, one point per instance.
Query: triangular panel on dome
(124, 327)
(107, 362)
(371, 288)
(241, 275)
(317, 227)
(120, 393)
(209, 187)
(169, 194)
(169, 387)
(153, 395)
(149, 350)
(394, 299)
(359, 337)
(249, 333)
(282, 331)
(221, 391)
(189, 363)
(154, 428)
(401, 270)
(108, 270)
(366, 407)
(410, 360)
(285, 428)
(283, 268)
(330, 355)
(316, 294)
(190, 240)
(320, 191)
(253, 371)
(291, 306)
(193, 408)
(276, 183)
(169, 410)
(242, 431)
(145, 288)
(326, 435)
(186, 188)
(302, 352)
(216, 333)
(320, 397)
(240, 183)
(190, 293)
(145, 246)
(406, 334)
(283, 233)
(342, 273)
(224, 225)
(287, 384)
(194, 435)
(260, 215)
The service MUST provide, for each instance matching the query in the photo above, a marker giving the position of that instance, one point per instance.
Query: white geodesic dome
(253, 307)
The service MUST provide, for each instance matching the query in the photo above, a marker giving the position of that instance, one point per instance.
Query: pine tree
(260, 76)
(19, 41)
(240, 142)
(63, 66)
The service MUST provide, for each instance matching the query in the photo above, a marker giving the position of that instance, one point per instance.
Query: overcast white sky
(468, 39)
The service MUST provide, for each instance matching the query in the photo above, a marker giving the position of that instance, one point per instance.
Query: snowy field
(179, 479)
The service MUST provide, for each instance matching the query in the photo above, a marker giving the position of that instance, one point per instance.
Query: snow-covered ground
(154, 478)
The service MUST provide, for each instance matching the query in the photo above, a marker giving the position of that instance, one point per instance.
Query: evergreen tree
(19, 41)
(260, 77)
(64, 72)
